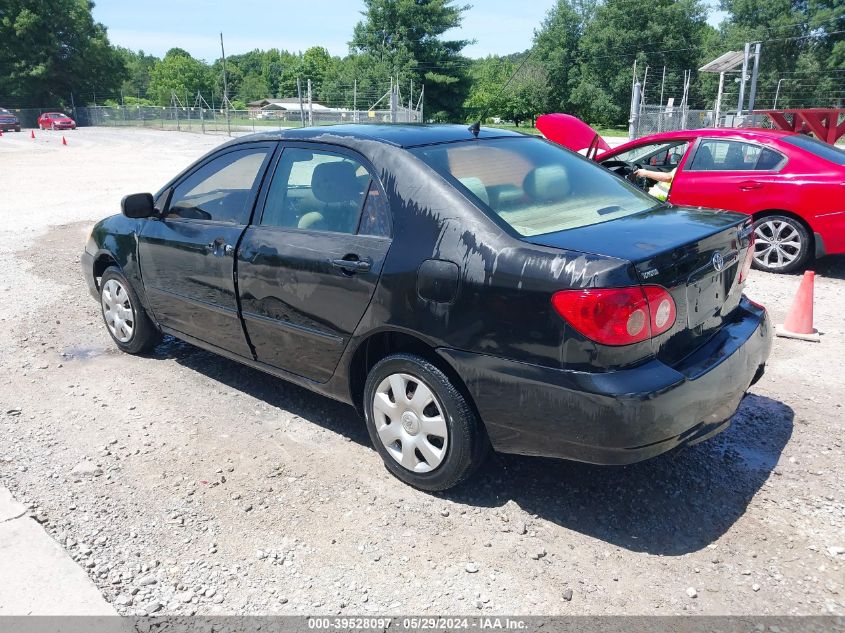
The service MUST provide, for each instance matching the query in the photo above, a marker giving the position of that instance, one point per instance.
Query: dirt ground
(186, 483)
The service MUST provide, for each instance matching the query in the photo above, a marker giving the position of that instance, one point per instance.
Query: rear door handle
(219, 245)
(748, 185)
(353, 265)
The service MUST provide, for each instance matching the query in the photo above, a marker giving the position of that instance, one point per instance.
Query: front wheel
(422, 426)
(126, 320)
(782, 244)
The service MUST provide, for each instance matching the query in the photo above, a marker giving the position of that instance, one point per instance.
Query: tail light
(617, 316)
(749, 259)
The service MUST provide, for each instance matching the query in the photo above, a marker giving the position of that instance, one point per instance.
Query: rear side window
(718, 155)
(535, 186)
(375, 220)
(817, 148)
(220, 189)
(316, 190)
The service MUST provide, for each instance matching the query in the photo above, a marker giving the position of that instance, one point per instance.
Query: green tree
(556, 47)
(404, 39)
(138, 66)
(662, 32)
(801, 43)
(52, 48)
(252, 88)
(180, 74)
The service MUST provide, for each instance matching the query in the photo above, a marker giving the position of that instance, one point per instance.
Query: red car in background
(56, 121)
(792, 184)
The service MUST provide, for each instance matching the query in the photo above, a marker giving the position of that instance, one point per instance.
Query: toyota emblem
(718, 261)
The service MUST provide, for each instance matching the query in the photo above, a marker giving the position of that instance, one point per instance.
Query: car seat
(338, 188)
(734, 158)
(703, 159)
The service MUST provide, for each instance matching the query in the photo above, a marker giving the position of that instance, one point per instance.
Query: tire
(782, 244)
(136, 334)
(441, 429)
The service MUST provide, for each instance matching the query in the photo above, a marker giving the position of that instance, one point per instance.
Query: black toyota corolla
(462, 291)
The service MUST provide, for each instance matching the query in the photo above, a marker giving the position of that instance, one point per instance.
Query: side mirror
(138, 205)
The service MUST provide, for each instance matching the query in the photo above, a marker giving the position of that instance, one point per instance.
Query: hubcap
(117, 310)
(777, 244)
(410, 422)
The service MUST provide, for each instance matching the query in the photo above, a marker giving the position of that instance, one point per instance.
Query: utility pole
(742, 79)
(753, 93)
(225, 88)
(301, 107)
(393, 104)
(634, 119)
(718, 112)
(310, 106)
(660, 111)
(355, 102)
(410, 100)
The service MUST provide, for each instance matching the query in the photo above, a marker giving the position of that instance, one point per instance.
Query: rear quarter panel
(502, 305)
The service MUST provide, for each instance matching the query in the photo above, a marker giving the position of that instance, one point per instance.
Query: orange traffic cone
(799, 321)
(32, 133)
(64, 141)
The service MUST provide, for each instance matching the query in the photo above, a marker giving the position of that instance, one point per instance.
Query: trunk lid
(695, 254)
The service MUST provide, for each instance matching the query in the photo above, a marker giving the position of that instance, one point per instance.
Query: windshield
(817, 147)
(535, 186)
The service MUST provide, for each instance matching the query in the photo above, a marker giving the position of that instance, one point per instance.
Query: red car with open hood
(792, 184)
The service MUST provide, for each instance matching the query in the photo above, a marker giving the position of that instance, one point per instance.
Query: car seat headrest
(335, 182)
(476, 187)
(547, 183)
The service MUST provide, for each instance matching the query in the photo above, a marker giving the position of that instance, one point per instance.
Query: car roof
(718, 132)
(403, 135)
(750, 134)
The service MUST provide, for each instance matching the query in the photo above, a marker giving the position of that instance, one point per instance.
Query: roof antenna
(475, 128)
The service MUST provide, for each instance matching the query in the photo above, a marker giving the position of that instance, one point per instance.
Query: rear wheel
(782, 244)
(421, 425)
(125, 318)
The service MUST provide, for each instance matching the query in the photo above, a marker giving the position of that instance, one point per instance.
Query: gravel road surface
(186, 483)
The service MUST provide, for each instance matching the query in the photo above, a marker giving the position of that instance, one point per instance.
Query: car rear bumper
(623, 416)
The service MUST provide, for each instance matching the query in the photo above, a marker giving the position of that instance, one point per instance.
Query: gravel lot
(186, 483)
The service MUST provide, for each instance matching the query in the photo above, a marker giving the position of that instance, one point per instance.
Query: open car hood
(572, 133)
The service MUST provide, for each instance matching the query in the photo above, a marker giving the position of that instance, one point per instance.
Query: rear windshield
(817, 147)
(535, 186)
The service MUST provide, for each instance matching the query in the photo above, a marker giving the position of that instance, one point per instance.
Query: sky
(194, 25)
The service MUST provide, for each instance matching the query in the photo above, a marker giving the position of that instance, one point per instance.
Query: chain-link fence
(653, 119)
(216, 121)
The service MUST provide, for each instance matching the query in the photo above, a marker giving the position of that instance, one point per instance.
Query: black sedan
(8, 121)
(462, 290)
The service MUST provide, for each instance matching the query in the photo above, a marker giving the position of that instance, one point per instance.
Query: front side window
(316, 190)
(665, 156)
(535, 186)
(220, 189)
(713, 155)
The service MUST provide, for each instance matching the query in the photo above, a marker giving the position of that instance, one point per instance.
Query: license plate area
(706, 295)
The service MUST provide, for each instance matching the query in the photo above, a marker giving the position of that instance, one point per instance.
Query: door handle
(219, 245)
(748, 185)
(352, 265)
